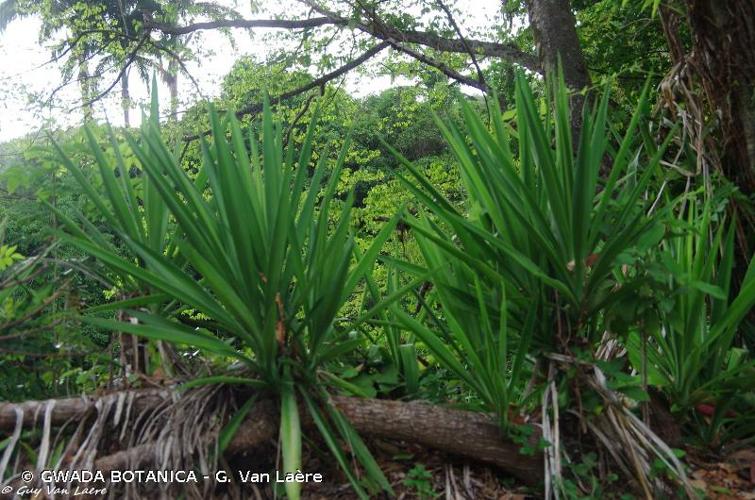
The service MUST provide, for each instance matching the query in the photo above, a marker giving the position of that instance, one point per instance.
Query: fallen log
(67, 409)
(464, 433)
(467, 434)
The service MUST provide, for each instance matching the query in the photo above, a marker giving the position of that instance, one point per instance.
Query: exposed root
(259, 428)
(13, 441)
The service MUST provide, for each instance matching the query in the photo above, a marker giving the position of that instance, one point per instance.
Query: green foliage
(402, 119)
(692, 353)
(585, 473)
(132, 210)
(419, 479)
(256, 253)
(8, 256)
(625, 45)
(27, 321)
(521, 244)
(110, 37)
(539, 241)
(31, 179)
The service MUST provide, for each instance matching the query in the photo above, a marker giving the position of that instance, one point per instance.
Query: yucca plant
(255, 253)
(692, 353)
(531, 275)
(544, 232)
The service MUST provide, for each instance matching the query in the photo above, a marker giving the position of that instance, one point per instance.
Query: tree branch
(423, 58)
(288, 24)
(461, 37)
(319, 82)
(122, 72)
(381, 30)
(507, 51)
(454, 75)
(296, 119)
(152, 43)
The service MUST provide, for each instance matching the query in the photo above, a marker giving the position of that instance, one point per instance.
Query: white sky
(25, 71)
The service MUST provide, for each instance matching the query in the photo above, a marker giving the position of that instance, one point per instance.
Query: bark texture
(464, 433)
(554, 28)
(723, 36)
(467, 434)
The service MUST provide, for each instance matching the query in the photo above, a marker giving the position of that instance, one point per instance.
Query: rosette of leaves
(255, 252)
(528, 280)
(535, 263)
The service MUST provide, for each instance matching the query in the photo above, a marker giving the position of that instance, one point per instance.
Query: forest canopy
(395, 249)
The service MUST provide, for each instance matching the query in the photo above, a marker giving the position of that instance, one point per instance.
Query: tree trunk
(713, 82)
(467, 434)
(85, 86)
(463, 433)
(171, 78)
(723, 37)
(554, 29)
(125, 99)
